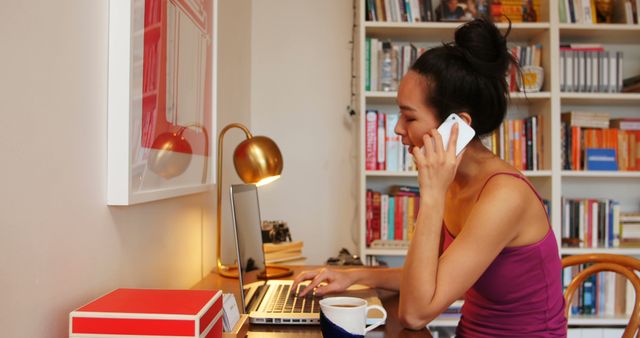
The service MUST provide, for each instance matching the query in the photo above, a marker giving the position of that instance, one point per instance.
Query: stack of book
(399, 10)
(589, 68)
(283, 252)
(592, 141)
(604, 294)
(384, 149)
(391, 216)
(402, 55)
(590, 223)
(586, 12)
(630, 229)
(518, 142)
(437, 10)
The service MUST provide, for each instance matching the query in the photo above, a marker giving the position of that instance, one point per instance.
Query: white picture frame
(161, 99)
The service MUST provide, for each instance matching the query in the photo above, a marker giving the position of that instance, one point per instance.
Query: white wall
(300, 78)
(60, 245)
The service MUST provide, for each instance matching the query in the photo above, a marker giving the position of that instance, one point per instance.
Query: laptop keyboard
(285, 302)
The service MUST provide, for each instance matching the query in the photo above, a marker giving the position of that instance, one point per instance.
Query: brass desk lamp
(257, 161)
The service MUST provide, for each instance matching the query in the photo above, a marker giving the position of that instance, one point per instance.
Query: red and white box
(150, 313)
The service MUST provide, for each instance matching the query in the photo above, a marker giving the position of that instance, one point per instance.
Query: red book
(376, 223)
(399, 218)
(149, 312)
(369, 234)
(637, 146)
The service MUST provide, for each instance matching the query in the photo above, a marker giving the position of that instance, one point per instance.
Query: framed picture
(462, 10)
(162, 99)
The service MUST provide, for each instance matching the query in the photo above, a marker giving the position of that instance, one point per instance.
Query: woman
(482, 230)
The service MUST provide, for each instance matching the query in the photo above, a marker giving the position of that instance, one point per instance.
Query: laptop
(269, 301)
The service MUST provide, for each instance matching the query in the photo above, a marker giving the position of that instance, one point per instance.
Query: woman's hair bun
(484, 47)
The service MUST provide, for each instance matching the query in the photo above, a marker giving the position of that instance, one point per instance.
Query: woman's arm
(380, 278)
(338, 280)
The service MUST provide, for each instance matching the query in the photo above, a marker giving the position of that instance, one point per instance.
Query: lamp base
(272, 271)
(275, 271)
(228, 271)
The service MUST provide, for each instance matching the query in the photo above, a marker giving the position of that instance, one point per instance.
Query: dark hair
(469, 75)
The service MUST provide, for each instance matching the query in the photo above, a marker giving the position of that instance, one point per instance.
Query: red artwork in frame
(166, 24)
(162, 70)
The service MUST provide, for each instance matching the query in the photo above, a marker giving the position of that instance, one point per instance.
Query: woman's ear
(465, 116)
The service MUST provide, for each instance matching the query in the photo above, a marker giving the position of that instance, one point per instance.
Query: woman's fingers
(301, 277)
(438, 143)
(427, 145)
(453, 140)
(319, 278)
(325, 289)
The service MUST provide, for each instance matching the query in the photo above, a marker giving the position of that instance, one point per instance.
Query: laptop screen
(246, 222)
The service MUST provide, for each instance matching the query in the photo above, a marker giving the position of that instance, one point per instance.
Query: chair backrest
(623, 265)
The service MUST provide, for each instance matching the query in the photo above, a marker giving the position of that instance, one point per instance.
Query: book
(586, 119)
(628, 123)
(282, 246)
(371, 139)
(381, 148)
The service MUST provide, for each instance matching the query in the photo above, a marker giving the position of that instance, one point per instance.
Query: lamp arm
(219, 185)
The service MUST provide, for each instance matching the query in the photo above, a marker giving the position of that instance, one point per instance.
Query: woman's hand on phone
(436, 164)
(324, 281)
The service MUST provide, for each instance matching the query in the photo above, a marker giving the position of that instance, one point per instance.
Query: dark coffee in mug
(344, 305)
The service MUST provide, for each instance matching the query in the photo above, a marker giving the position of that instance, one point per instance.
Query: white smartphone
(465, 132)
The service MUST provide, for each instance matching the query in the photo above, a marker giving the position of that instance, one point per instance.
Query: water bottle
(387, 77)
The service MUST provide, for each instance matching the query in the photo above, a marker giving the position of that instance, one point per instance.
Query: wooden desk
(389, 300)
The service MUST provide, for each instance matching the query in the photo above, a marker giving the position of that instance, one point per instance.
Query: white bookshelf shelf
(537, 173)
(386, 252)
(445, 321)
(600, 174)
(600, 33)
(383, 173)
(584, 251)
(598, 320)
(601, 98)
(516, 97)
(420, 31)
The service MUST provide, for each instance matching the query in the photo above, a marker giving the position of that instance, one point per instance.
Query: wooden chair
(620, 264)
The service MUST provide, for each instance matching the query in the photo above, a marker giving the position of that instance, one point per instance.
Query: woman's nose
(398, 129)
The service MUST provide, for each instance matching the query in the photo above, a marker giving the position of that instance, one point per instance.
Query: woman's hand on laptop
(324, 281)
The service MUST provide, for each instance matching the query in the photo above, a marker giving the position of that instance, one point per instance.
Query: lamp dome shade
(258, 160)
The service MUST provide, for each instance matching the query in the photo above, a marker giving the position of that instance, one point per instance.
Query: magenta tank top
(520, 293)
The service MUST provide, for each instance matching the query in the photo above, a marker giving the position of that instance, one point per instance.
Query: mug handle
(382, 320)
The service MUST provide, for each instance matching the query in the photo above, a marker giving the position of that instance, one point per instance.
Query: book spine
(393, 143)
(384, 216)
(391, 213)
(398, 218)
(371, 141)
(375, 226)
(381, 147)
(369, 233)
(367, 71)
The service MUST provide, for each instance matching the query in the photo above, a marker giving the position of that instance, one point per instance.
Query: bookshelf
(551, 181)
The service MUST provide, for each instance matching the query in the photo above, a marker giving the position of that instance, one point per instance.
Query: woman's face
(416, 117)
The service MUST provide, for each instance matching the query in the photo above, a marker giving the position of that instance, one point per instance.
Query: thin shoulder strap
(510, 174)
